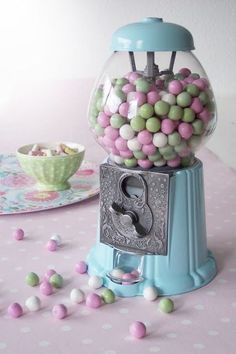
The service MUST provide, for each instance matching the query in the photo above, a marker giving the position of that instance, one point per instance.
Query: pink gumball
(127, 154)
(59, 311)
(185, 130)
(145, 137)
(51, 245)
(160, 84)
(93, 300)
(103, 120)
(146, 164)
(153, 97)
(81, 267)
(111, 133)
(175, 87)
(49, 273)
(133, 77)
(128, 277)
(167, 126)
(149, 149)
(200, 84)
(128, 88)
(121, 144)
(15, 310)
(46, 288)
(189, 80)
(205, 115)
(124, 109)
(196, 105)
(175, 162)
(18, 234)
(140, 98)
(107, 142)
(185, 72)
(107, 111)
(137, 329)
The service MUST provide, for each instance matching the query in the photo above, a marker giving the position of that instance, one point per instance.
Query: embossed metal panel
(134, 221)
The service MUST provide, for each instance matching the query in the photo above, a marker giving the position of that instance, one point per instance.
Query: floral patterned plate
(18, 193)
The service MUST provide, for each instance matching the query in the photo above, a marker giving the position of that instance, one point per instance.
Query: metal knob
(128, 219)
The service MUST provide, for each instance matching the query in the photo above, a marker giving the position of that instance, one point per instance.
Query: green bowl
(51, 172)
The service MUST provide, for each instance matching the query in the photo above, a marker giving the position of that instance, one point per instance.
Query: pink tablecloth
(204, 321)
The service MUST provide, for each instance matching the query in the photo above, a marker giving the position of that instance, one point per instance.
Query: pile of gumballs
(59, 150)
(144, 123)
(52, 281)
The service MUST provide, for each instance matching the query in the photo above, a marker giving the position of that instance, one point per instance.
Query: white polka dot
(87, 341)
(82, 248)
(222, 281)
(128, 338)
(35, 258)
(234, 304)
(199, 307)
(154, 349)
(18, 269)
(22, 250)
(106, 326)
(39, 242)
(81, 232)
(9, 242)
(232, 270)
(85, 312)
(46, 314)
(66, 328)
(228, 243)
(25, 329)
(211, 293)
(67, 226)
(4, 259)
(3, 345)
(67, 256)
(199, 346)
(55, 219)
(1, 280)
(44, 343)
(225, 319)
(51, 266)
(186, 322)
(171, 335)
(227, 220)
(213, 333)
(110, 352)
(14, 290)
(123, 310)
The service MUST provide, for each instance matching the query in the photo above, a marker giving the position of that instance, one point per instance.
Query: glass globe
(152, 109)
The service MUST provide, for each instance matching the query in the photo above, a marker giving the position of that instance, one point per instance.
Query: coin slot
(132, 187)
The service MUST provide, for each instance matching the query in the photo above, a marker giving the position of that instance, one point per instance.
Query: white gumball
(117, 273)
(150, 293)
(118, 159)
(162, 93)
(134, 144)
(57, 239)
(169, 98)
(77, 296)
(126, 132)
(33, 303)
(159, 139)
(160, 163)
(95, 282)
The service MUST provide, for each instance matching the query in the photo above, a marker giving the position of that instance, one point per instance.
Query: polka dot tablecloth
(204, 321)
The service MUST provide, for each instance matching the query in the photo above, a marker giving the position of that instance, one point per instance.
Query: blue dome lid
(152, 34)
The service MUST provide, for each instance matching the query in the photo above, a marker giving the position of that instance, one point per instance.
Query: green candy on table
(32, 279)
(203, 97)
(166, 305)
(155, 157)
(130, 162)
(161, 108)
(56, 281)
(99, 130)
(153, 124)
(189, 115)
(117, 121)
(108, 296)
(138, 124)
(142, 85)
(192, 89)
(198, 127)
(184, 99)
(139, 155)
(122, 81)
(174, 139)
(146, 110)
(166, 150)
(176, 112)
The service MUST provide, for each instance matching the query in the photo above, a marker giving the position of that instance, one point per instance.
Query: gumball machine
(151, 109)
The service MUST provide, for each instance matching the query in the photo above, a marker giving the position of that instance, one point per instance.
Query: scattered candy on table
(57, 239)
(137, 329)
(32, 279)
(46, 288)
(81, 267)
(150, 293)
(33, 303)
(59, 311)
(95, 282)
(56, 280)
(15, 310)
(166, 305)
(77, 296)
(93, 300)
(51, 245)
(108, 296)
(18, 234)
(146, 124)
(49, 273)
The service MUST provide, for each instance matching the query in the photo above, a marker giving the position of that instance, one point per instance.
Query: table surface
(204, 321)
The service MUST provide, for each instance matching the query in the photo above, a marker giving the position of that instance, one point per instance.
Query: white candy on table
(33, 303)
(150, 293)
(77, 296)
(95, 282)
(56, 238)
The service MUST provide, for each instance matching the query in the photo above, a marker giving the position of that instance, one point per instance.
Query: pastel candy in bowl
(51, 164)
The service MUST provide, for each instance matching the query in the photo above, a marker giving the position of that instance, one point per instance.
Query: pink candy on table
(46, 288)
(137, 329)
(59, 311)
(81, 267)
(18, 234)
(15, 310)
(51, 246)
(49, 273)
(93, 300)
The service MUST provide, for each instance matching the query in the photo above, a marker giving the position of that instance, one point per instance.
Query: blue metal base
(188, 264)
